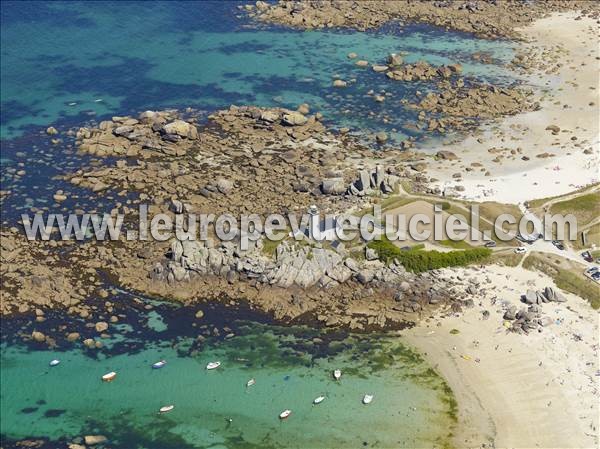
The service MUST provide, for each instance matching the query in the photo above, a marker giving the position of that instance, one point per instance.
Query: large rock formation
(489, 19)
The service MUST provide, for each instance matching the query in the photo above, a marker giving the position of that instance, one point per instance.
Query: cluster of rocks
(530, 319)
(485, 18)
(369, 182)
(294, 264)
(151, 134)
(459, 107)
(547, 60)
(543, 296)
(298, 279)
(526, 320)
(33, 277)
(238, 154)
(422, 71)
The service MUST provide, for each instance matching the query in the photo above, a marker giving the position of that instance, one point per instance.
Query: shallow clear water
(105, 58)
(292, 366)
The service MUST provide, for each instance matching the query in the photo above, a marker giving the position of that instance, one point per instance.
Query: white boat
(251, 382)
(54, 362)
(318, 400)
(109, 376)
(337, 374)
(166, 408)
(159, 365)
(213, 365)
(367, 398)
(284, 414)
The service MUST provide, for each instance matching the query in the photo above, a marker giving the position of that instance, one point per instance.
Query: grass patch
(454, 331)
(457, 244)
(570, 279)
(535, 204)
(508, 258)
(396, 201)
(418, 260)
(585, 207)
(270, 247)
(593, 238)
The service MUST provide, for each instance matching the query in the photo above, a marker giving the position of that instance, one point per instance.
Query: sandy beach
(516, 150)
(541, 389)
(536, 390)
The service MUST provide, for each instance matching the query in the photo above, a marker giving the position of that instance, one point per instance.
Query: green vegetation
(585, 208)
(454, 331)
(593, 237)
(569, 279)
(394, 202)
(270, 246)
(418, 260)
(535, 204)
(508, 259)
(457, 244)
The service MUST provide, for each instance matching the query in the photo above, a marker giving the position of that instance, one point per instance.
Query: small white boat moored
(337, 374)
(284, 414)
(318, 400)
(159, 365)
(367, 398)
(54, 362)
(251, 382)
(213, 365)
(166, 408)
(109, 376)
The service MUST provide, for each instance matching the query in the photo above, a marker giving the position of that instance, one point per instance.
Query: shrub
(417, 260)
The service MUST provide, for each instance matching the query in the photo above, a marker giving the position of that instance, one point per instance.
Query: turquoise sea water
(69, 63)
(62, 59)
(291, 365)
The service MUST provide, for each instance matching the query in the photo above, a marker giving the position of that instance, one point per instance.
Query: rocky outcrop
(294, 265)
(368, 182)
(422, 71)
(531, 318)
(373, 181)
(242, 153)
(456, 106)
(549, 294)
(35, 277)
(527, 319)
(489, 19)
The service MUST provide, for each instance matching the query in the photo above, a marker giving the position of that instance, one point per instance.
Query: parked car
(491, 244)
(558, 244)
(520, 250)
(528, 238)
(587, 256)
(596, 276)
(592, 270)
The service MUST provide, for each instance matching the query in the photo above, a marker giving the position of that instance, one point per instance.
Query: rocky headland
(489, 19)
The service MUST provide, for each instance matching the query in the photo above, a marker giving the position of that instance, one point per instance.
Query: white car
(520, 250)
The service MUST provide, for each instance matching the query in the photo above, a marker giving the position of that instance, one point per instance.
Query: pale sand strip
(572, 103)
(508, 397)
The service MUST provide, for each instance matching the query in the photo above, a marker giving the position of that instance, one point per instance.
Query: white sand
(567, 105)
(536, 390)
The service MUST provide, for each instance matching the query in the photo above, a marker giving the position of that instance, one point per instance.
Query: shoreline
(560, 140)
(536, 390)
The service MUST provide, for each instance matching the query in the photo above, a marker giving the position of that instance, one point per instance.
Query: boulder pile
(527, 319)
(293, 265)
(549, 294)
(368, 182)
(422, 71)
(488, 19)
